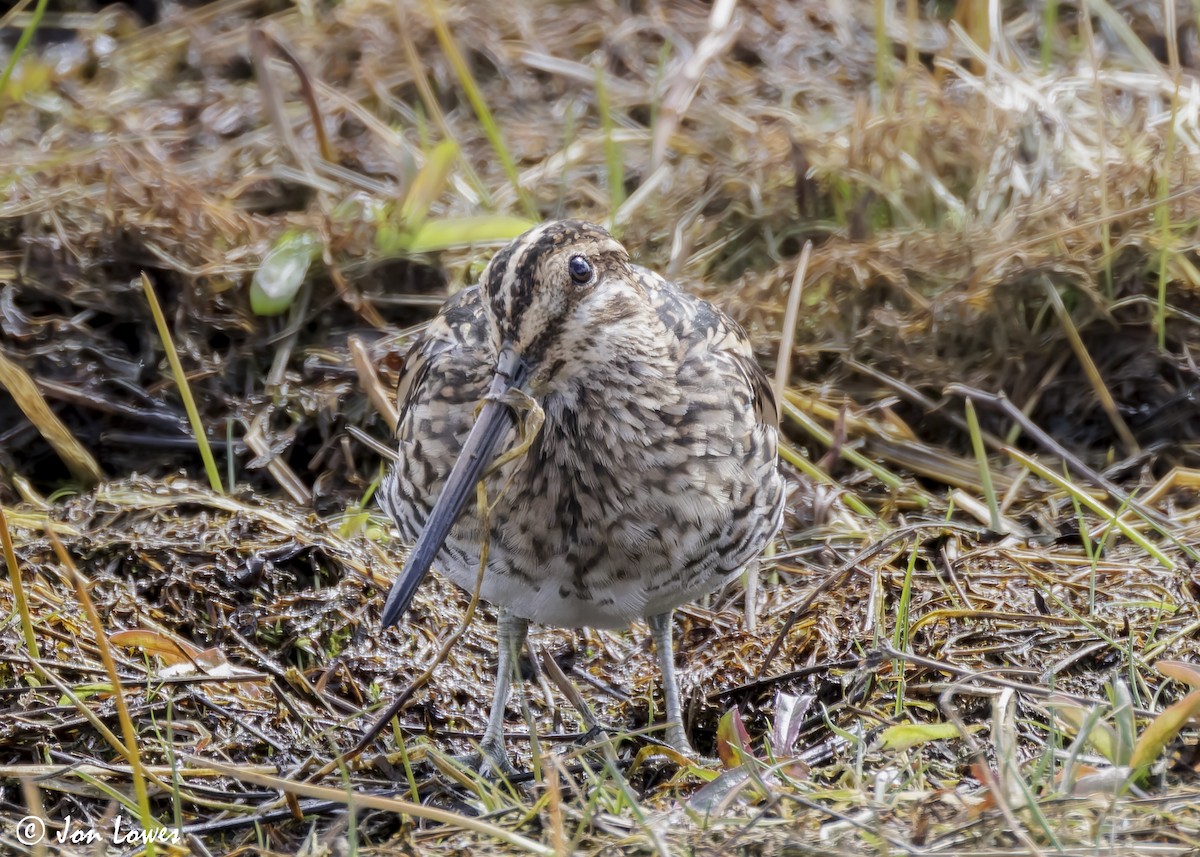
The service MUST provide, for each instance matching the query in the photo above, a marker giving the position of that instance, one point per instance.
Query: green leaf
(282, 272)
(428, 186)
(1162, 730)
(1124, 721)
(453, 232)
(86, 691)
(1076, 718)
(905, 736)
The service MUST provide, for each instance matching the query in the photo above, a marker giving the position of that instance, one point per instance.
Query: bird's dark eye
(581, 270)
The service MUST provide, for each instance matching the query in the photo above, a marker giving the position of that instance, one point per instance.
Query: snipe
(652, 481)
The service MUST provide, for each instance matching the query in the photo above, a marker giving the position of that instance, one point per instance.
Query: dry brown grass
(992, 211)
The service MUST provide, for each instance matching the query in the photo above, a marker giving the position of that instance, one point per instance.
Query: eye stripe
(517, 272)
(518, 284)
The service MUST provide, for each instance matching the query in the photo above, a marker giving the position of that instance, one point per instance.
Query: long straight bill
(479, 451)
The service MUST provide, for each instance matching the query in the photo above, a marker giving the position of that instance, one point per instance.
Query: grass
(22, 45)
(185, 391)
(20, 601)
(967, 603)
(130, 747)
(479, 104)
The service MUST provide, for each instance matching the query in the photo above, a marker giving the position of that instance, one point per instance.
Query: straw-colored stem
(18, 586)
(128, 732)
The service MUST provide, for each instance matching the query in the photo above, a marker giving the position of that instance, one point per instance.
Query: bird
(652, 480)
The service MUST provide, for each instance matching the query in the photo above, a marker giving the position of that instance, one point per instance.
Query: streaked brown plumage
(653, 480)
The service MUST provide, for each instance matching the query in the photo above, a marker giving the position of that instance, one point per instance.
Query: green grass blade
(185, 392)
(22, 44)
(479, 105)
(1093, 504)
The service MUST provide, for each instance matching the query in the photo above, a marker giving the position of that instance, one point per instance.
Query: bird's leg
(660, 627)
(510, 631)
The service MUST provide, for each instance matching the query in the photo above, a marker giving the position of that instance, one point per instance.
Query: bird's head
(558, 300)
(556, 297)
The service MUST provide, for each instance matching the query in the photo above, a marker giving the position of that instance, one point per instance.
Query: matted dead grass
(1001, 212)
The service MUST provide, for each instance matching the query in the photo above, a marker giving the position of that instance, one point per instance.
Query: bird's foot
(595, 733)
(490, 761)
(685, 754)
(673, 739)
